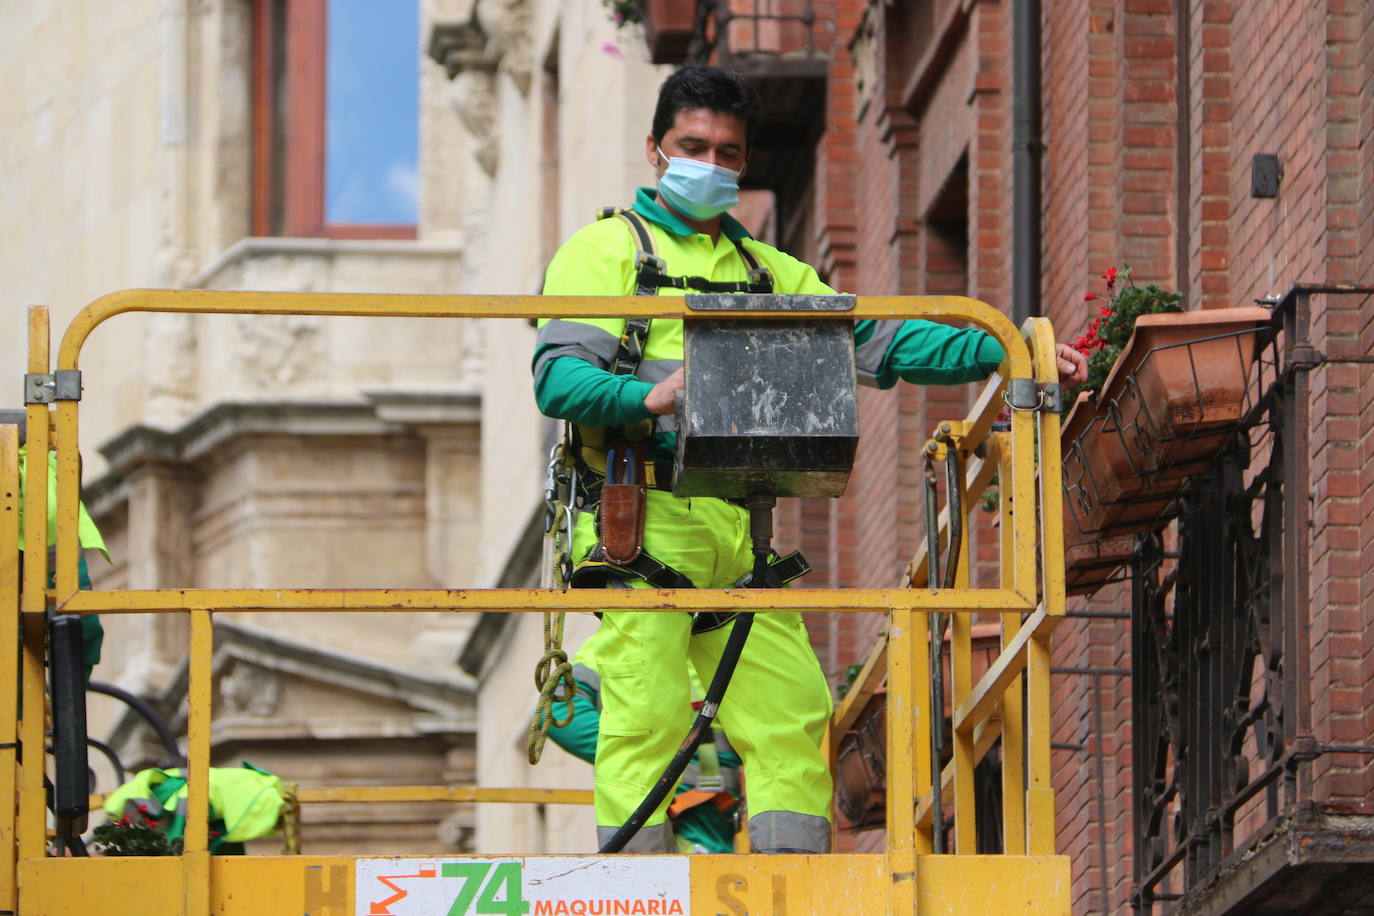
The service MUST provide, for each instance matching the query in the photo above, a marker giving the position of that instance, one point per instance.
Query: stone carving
(470, 59)
(171, 375)
(274, 351)
(473, 93)
(863, 49)
(507, 23)
(249, 690)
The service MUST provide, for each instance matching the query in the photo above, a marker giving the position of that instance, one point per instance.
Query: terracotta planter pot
(861, 768)
(1102, 510)
(1099, 499)
(1180, 385)
(668, 27)
(1091, 564)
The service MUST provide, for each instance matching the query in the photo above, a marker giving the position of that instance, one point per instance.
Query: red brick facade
(1152, 115)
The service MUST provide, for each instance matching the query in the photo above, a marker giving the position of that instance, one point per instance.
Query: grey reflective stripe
(574, 338)
(588, 684)
(586, 675)
(868, 356)
(655, 838)
(788, 831)
(553, 353)
(656, 370)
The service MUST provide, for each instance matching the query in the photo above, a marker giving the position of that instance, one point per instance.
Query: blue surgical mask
(696, 189)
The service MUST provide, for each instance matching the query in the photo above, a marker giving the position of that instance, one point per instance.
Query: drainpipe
(1026, 149)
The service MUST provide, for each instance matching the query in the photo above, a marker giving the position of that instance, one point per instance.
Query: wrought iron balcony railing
(1228, 815)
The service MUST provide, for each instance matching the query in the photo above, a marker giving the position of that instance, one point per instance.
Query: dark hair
(712, 88)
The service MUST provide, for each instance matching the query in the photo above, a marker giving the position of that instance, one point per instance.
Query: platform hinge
(45, 388)
(1027, 394)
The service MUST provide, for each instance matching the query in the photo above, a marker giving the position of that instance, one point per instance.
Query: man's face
(700, 133)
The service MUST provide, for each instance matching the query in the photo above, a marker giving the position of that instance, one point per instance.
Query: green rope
(552, 673)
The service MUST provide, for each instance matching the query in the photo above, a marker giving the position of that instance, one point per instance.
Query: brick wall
(1122, 184)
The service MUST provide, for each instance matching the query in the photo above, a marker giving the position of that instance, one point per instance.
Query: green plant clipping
(128, 836)
(1110, 330)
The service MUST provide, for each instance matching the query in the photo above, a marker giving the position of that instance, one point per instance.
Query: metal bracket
(44, 388)
(1026, 394)
(1053, 394)
(38, 388)
(68, 384)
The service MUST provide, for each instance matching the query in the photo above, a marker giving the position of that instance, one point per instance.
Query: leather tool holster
(620, 524)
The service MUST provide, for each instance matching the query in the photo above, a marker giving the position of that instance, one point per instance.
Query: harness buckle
(760, 280)
(647, 259)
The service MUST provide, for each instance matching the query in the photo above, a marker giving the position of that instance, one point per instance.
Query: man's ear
(651, 152)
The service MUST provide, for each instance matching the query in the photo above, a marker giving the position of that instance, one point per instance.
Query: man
(778, 703)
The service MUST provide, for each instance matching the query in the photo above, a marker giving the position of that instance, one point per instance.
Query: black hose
(729, 658)
(954, 492)
(146, 711)
(936, 637)
(111, 756)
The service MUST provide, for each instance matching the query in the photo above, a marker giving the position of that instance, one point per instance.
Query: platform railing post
(32, 799)
(1013, 713)
(9, 660)
(903, 724)
(1040, 779)
(196, 854)
(961, 680)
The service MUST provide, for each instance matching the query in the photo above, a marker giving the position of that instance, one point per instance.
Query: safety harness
(592, 446)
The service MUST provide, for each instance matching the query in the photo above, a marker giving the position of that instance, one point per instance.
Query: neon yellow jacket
(572, 355)
(247, 799)
(87, 532)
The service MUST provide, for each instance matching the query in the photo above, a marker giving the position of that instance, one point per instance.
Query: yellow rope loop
(290, 820)
(553, 676)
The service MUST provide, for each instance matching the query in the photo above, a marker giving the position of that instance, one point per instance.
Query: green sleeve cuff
(990, 354)
(632, 395)
(573, 389)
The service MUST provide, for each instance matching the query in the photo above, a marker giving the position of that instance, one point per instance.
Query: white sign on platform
(535, 886)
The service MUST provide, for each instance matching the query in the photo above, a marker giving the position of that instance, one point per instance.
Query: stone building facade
(236, 451)
(241, 450)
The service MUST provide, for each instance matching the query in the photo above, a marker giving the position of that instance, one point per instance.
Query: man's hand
(1073, 366)
(662, 398)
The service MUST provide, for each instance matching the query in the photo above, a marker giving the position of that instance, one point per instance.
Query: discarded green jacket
(248, 800)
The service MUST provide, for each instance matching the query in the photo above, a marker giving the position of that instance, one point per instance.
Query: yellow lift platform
(905, 878)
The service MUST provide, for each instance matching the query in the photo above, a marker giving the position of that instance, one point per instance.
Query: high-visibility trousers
(776, 709)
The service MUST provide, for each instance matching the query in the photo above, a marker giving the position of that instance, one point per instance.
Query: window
(335, 118)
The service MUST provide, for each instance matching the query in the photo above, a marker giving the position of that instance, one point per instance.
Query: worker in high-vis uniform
(616, 380)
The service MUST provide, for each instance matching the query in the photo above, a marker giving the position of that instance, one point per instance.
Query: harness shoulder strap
(632, 341)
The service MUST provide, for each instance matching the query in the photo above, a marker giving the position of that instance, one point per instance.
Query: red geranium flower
(1089, 297)
(1110, 276)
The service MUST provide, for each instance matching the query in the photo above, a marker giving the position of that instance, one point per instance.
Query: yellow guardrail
(1028, 596)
